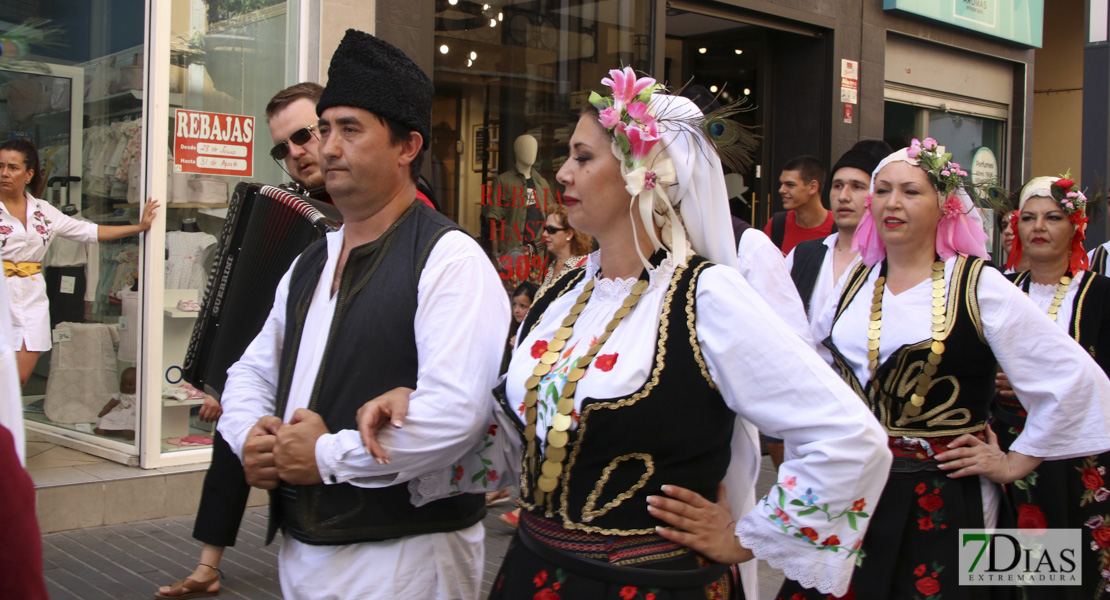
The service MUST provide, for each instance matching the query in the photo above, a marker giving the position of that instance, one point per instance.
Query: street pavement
(130, 561)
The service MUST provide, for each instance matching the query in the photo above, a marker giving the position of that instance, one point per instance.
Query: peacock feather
(736, 143)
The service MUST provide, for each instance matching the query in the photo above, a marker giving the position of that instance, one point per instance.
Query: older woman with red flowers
(1050, 224)
(918, 331)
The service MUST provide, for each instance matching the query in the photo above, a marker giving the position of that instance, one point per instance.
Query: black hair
(30, 160)
(526, 288)
(397, 134)
(810, 167)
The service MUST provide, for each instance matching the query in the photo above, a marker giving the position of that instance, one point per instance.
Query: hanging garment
(82, 372)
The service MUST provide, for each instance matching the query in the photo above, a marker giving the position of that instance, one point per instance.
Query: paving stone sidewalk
(130, 561)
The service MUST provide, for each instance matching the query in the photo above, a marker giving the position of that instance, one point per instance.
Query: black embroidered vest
(676, 429)
(1089, 325)
(371, 349)
(963, 386)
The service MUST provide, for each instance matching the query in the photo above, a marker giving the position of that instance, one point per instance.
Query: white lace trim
(782, 552)
(428, 488)
(615, 290)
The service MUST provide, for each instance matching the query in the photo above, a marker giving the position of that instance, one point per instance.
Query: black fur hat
(865, 156)
(369, 73)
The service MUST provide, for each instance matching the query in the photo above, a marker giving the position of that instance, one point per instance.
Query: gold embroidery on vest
(660, 356)
(588, 512)
(693, 329)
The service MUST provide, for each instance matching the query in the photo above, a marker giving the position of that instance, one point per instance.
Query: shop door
(46, 106)
(776, 68)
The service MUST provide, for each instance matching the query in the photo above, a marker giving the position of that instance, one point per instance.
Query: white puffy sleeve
(1064, 391)
(812, 522)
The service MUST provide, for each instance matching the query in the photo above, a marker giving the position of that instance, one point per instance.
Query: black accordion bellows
(266, 229)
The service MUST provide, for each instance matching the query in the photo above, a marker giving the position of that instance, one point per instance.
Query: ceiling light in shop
(713, 89)
(500, 17)
(485, 7)
(443, 49)
(493, 22)
(473, 55)
(703, 50)
(452, 2)
(747, 91)
(738, 51)
(469, 62)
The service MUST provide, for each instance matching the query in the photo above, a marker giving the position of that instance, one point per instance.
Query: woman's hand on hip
(703, 526)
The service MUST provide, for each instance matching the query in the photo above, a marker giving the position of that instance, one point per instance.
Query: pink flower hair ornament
(1071, 200)
(961, 226)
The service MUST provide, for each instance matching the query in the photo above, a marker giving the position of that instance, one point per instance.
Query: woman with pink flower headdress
(918, 331)
(637, 384)
(27, 225)
(1050, 226)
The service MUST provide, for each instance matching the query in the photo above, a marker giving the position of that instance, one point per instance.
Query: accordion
(266, 229)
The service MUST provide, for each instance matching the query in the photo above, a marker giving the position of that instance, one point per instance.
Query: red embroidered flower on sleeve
(605, 362)
(858, 505)
(832, 540)
(809, 532)
(492, 429)
(919, 571)
(539, 348)
(492, 475)
(628, 592)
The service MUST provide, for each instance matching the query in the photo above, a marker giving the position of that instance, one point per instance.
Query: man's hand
(295, 451)
(258, 453)
(210, 410)
(391, 407)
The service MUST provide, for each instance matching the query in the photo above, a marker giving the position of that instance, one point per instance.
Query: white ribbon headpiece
(681, 172)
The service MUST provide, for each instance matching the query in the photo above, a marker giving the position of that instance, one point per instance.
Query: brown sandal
(191, 588)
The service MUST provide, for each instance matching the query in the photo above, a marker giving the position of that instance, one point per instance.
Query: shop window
(510, 78)
(72, 84)
(227, 59)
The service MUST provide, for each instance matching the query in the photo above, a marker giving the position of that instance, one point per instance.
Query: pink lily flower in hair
(642, 136)
(625, 86)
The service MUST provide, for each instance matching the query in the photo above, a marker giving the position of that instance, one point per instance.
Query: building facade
(106, 100)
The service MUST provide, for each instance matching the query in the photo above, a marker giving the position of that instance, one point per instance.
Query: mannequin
(514, 209)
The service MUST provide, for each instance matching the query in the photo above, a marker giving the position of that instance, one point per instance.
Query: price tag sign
(61, 334)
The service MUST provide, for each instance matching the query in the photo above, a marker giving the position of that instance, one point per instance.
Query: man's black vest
(371, 349)
(808, 258)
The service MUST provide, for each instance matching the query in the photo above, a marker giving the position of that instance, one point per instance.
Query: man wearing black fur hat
(394, 302)
(818, 266)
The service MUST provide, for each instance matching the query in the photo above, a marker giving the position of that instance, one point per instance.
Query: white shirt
(761, 263)
(766, 374)
(1064, 391)
(11, 404)
(1043, 295)
(460, 298)
(27, 295)
(826, 294)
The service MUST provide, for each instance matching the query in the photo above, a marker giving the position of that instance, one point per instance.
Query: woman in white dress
(27, 225)
(918, 331)
(637, 379)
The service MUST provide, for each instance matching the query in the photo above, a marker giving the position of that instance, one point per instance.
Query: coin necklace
(1058, 298)
(936, 350)
(556, 451)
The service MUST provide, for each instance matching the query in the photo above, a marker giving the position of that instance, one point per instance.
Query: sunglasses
(552, 230)
(299, 137)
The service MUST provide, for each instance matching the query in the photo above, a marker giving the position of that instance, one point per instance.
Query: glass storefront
(78, 92)
(510, 78)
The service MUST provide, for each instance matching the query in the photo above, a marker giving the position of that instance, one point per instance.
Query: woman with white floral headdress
(919, 328)
(637, 380)
(1050, 226)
